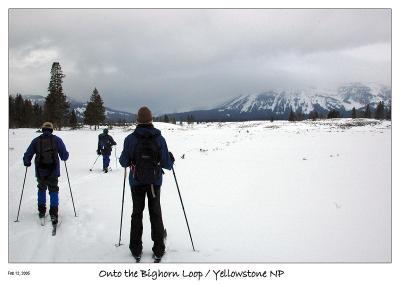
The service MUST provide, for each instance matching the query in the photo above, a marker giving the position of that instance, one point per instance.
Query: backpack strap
(40, 148)
(54, 148)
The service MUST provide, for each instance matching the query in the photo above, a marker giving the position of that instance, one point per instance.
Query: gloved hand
(171, 157)
(27, 164)
(98, 152)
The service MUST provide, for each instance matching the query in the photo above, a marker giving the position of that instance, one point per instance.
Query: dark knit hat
(144, 115)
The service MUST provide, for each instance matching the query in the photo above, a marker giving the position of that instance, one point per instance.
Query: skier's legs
(53, 192)
(106, 161)
(41, 196)
(138, 201)
(157, 226)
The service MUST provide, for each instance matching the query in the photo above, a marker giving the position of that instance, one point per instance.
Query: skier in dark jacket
(145, 136)
(47, 148)
(104, 147)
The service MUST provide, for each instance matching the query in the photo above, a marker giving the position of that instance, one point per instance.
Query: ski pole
(116, 164)
(94, 163)
(180, 197)
(70, 190)
(122, 210)
(20, 200)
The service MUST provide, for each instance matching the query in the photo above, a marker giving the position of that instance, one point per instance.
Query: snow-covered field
(253, 192)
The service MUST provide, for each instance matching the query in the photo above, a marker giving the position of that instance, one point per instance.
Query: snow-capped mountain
(281, 101)
(79, 107)
(358, 95)
(278, 103)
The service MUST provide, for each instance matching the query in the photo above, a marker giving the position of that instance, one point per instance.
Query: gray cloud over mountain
(184, 59)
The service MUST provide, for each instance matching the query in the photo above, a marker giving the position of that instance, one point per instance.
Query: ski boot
(54, 215)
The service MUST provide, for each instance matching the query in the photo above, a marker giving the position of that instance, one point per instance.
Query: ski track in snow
(251, 191)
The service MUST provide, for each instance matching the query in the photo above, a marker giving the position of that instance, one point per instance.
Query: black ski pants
(157, 227)
(50, 183)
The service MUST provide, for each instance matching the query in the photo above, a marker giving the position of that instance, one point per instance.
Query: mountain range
(277, 103)
(274, 103)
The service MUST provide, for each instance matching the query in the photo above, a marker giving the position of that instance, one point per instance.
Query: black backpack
(105, 142)
(147, 157)
(46, 152)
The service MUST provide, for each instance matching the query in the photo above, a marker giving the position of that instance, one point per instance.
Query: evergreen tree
(313, 115)
(299, 115)
(37, 115)
(19, 109)
(88, 115)
(11, 112)
(380, 111)
(333, 114)
(353, 113)
(166, 119)
(56, 107)
(367, 113)
(95, 111)
(292, 115)
(388, 114)
(73, 121)
(27, 114)
(189, 119)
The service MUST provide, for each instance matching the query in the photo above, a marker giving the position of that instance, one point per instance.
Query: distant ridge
(277, 103)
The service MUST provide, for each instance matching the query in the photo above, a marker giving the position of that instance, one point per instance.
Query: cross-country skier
(47, 148)
(104, 147)
(146, 152)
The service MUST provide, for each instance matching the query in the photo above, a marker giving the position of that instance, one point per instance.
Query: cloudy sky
(174, 60)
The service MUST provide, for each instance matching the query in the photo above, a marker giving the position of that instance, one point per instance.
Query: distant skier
(47, 148)
(146, 152)
(104, 147)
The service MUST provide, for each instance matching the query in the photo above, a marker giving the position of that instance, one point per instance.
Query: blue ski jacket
(32, 150)
(128, 153)
(105, 144)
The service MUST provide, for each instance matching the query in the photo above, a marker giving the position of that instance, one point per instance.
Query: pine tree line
(298, 115)
(172, 119)
(380, 113)
(56, 108)
(22, 113)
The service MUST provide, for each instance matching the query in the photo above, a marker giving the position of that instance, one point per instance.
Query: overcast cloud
(174, 60)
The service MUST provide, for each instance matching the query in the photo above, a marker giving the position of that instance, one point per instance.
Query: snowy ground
(253, 192)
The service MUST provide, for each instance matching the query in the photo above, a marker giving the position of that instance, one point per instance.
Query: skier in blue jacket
(47, 149)
(104, 147)
(146, 153)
